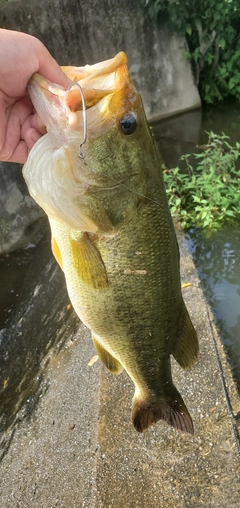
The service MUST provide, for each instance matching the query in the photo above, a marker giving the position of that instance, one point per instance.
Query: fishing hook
(84, 109)
(81, 154)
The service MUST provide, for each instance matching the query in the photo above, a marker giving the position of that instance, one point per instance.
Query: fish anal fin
(88, 262)
(112, 364)
(56, 252)
(150, 409)
(186, 349)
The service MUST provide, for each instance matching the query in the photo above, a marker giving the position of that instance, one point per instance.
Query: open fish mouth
(104, 89)
(86, 130)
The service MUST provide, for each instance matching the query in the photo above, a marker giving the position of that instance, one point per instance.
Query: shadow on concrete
(34, 331)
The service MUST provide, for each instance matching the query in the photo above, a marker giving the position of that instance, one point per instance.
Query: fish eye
(128, 123)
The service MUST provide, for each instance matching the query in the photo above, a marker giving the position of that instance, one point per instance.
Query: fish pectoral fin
(88, 262)
(113, 365)
(56, 252)
(186, 348)
(172, 409)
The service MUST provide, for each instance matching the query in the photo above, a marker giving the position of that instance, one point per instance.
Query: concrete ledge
(70, 443)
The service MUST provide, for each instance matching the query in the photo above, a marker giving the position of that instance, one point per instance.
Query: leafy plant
(212, 30)
(209, 194)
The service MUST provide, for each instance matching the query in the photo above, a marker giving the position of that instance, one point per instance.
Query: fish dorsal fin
(186, 348)
(113, 365)
(88, 262)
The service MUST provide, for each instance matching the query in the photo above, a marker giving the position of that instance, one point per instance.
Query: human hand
(20, 127)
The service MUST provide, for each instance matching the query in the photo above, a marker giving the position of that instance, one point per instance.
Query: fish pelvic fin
(149, 409)
(186, 349)
(112, 364)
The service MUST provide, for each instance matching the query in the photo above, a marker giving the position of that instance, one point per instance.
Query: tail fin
(172, 410)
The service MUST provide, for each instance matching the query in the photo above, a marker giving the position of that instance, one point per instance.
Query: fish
(97, 175)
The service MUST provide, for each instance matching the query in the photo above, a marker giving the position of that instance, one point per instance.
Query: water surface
(217, 258)
(218, 262)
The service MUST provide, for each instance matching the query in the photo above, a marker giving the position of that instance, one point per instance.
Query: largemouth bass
(112, 232)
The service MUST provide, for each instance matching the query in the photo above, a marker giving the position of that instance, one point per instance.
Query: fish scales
(113, 235)
(130, 301)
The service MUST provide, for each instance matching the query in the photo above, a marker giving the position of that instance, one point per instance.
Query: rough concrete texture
(67, 436)
(20, 216)
(78, 32)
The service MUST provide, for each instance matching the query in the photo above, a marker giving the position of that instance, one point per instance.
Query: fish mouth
(101, 84)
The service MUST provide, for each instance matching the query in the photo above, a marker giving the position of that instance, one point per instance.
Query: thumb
(49, 68)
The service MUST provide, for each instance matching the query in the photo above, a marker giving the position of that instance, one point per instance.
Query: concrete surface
(20, 216)
(66, 434)
(79, 32)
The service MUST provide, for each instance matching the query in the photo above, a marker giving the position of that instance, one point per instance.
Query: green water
(218, 263)
(217, 258)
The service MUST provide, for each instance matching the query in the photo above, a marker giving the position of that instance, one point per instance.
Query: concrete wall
(21, 219)
(78, 32)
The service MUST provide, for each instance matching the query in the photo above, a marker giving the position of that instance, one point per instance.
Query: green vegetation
(207, 195)
(212, 30)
